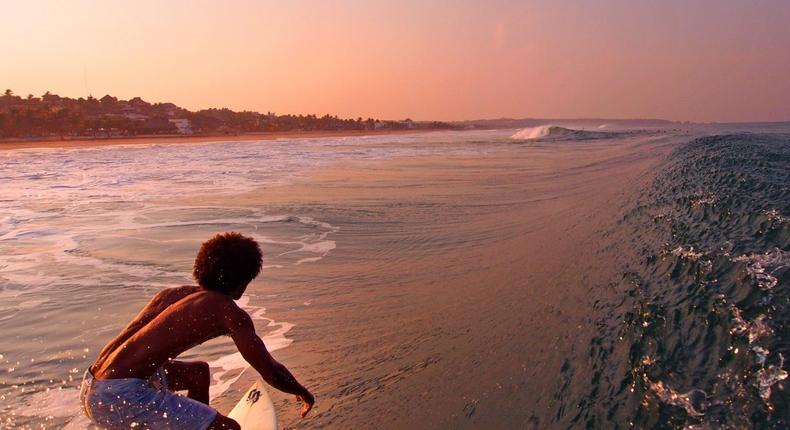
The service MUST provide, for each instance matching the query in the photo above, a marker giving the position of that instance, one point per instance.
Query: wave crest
(555, 132)
(539, 132)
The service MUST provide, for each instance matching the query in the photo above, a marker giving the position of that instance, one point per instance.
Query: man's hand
(308, 400)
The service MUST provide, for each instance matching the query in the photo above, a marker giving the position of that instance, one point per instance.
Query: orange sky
(701, 60)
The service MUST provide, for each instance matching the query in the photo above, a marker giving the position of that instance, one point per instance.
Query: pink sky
(700, 60)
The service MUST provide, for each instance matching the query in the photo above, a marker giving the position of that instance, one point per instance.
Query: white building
(183, 125)
(136, 116)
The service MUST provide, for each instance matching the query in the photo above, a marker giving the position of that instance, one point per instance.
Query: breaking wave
(555, 132)
(699, 333)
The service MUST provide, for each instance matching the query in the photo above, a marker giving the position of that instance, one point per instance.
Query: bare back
(173, 321)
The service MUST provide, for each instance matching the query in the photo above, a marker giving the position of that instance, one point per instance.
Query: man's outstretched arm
(252, 348)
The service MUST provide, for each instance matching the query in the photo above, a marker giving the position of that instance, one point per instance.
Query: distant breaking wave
(555, 132)
(541, 131)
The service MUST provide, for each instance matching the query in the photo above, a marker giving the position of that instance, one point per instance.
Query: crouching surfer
(132, 383)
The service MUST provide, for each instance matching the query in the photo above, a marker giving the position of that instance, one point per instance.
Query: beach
(85, 142)
(423, 280)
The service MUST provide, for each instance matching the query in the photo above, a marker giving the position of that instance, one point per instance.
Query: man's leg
(195, 378)
(222, 422)
(192, 376)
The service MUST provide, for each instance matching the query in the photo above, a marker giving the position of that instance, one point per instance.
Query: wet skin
(177, 319)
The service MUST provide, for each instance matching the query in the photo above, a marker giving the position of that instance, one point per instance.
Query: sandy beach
(72, 143)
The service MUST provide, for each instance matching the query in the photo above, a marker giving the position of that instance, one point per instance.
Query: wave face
(701, 338)
(555, 132)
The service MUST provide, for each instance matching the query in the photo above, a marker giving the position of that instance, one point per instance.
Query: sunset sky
(700, 60)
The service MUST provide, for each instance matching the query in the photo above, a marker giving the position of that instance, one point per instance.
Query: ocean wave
(705, 295)
(555, 132)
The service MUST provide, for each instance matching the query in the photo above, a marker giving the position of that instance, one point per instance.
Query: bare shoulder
(172, 295)
(233, 316)
(217, 303)
(166, 297)
(214, 305)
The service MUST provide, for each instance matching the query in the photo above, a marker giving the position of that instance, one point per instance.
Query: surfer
(133, 381)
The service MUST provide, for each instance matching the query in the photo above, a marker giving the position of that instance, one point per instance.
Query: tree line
(51, 115)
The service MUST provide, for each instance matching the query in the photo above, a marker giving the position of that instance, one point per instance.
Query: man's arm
(242, 330)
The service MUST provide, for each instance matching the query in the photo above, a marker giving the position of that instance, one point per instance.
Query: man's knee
(222, 422)
(188, 375)
(203, 372)
(199, 374)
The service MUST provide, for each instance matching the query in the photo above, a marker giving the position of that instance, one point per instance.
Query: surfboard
(255, 410)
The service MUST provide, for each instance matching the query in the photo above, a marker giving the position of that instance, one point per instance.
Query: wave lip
(540, 132)
(556, 132)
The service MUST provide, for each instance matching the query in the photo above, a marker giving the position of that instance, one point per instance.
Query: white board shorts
(133, 403)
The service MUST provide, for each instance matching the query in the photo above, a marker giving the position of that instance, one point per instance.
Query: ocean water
(701, 333)
(87, 235)
(682, 316)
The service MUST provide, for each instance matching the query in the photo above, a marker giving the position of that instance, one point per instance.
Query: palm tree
(8, 93)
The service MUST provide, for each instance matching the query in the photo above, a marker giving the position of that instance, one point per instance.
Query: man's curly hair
(227, 261)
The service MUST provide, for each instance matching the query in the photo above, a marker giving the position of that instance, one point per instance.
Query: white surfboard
(255, 411)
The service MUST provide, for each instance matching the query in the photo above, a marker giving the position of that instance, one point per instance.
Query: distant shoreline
(83, 142)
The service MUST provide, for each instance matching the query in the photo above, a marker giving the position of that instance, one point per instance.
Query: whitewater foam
(693, 401)
(555, 132)
(538, 132)
(762, 268)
